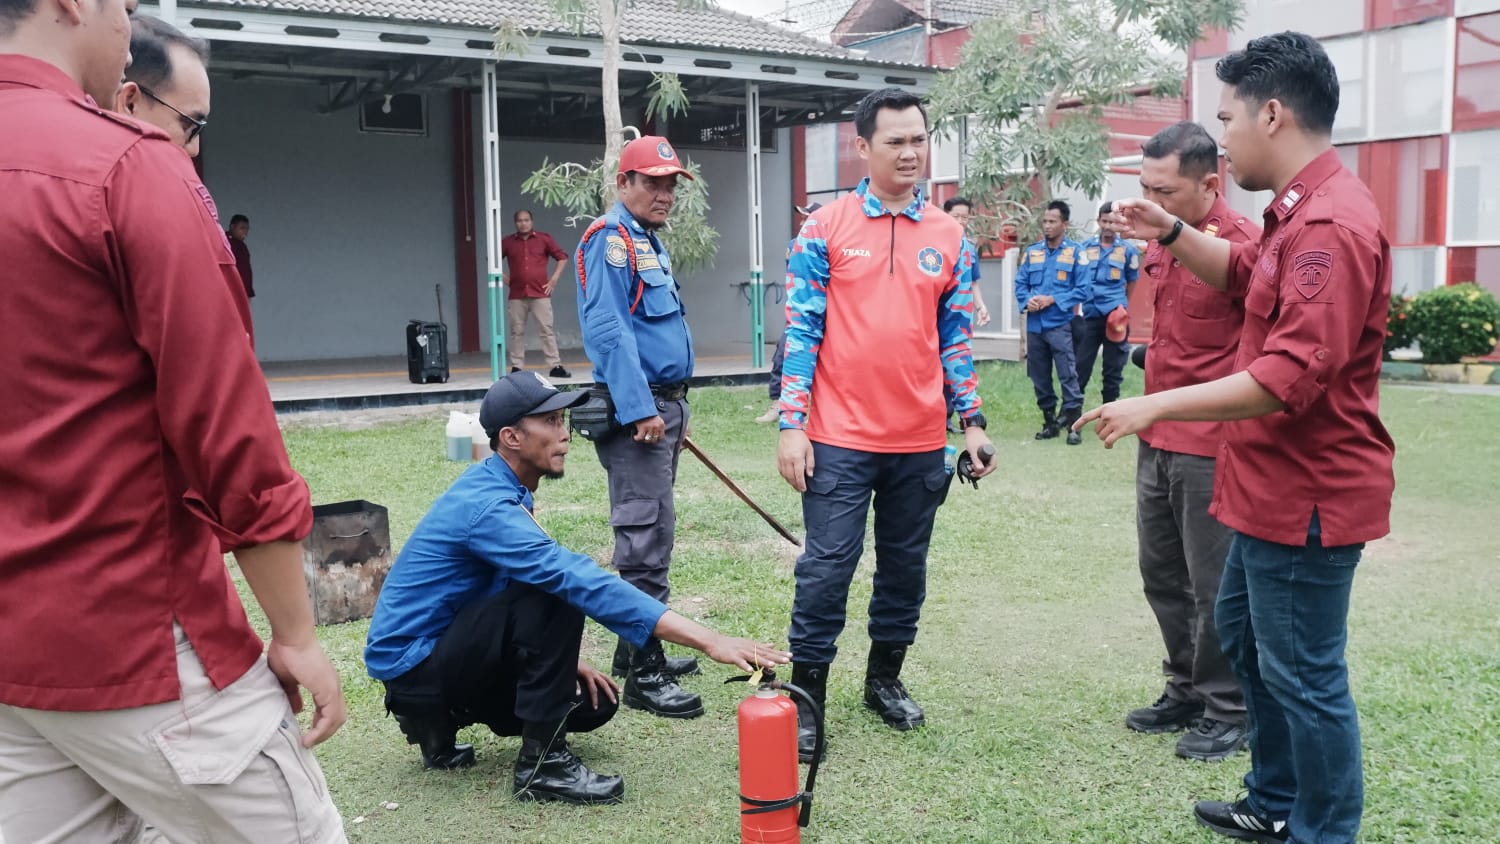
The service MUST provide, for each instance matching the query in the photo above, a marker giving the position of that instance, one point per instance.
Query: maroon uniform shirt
(1196, 332)
(526, 260)
(241, 254)
(1317, 287)
(137, 438)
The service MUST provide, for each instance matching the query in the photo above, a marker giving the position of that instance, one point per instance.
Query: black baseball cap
(522, 394)
(809, 209)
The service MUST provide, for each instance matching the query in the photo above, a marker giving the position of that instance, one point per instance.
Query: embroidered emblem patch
(615, 251)
(1212, 229)
(664, 150)
(930, 261)
(1093, 253)
(1036, 256)
(543, 381)
(1312, 269)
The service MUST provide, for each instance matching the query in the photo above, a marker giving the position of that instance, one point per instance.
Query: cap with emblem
(1117, 325)
(522, 394)
(652, 155)
(807, 211)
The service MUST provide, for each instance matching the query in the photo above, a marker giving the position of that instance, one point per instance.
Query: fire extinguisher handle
(800, 694)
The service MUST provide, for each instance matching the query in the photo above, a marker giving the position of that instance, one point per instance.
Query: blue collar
(500, 469)
(873, 207)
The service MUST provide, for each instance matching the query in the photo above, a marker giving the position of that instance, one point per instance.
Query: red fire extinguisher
(772, 808)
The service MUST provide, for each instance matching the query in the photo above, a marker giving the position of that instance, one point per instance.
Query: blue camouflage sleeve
(806, 306)
(955, 325)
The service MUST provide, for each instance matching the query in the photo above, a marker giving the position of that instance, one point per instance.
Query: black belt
(670, 392)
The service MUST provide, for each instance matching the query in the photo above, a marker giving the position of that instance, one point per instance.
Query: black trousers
(505, 661)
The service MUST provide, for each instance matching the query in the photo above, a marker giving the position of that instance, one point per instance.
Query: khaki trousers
(516, 312)
(216, 766)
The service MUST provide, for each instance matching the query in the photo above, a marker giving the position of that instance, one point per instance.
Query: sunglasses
(193, 125)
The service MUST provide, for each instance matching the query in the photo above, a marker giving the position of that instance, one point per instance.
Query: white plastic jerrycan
(458, 433)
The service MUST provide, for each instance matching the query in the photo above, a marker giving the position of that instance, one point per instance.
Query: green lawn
(1035, 641)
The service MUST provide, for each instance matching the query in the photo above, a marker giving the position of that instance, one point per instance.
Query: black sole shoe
(645, 706)
(532, 795)
(1235, 820)
(462, 757)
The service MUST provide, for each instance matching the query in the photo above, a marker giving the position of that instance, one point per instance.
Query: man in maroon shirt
(526, 255)
(1304, 475)
(239, 229)
(133, 690)
(1194, 338)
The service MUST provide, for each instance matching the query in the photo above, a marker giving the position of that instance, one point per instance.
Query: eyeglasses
(192, 124)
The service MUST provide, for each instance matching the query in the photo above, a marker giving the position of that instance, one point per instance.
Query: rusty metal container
(346, 559)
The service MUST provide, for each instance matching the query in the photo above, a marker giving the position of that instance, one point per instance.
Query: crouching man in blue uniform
(481, 618)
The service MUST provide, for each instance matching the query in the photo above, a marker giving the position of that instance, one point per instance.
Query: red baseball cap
(1116, 324)
(653, 156)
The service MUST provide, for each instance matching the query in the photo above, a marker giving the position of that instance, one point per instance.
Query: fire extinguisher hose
(805, 798)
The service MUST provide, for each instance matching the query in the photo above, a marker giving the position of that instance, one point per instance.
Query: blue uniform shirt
(635, 331)
(1060, 273)
(1110, 269)
(478, 538)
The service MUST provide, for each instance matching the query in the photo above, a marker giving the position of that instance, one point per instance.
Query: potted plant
(1454, 326)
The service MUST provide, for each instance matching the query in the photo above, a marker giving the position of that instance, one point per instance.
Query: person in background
(527, 253)
(779, 356)
(1051, 282)
(1114, 264)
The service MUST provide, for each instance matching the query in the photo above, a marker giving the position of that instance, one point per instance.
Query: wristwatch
(975, 421)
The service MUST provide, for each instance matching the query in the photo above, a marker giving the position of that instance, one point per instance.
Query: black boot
(435, 738)
(811, 677)
(1067, 420)
(546, 769)
(884, 692)
(1049, 426)
(677, 666)
(648, 686)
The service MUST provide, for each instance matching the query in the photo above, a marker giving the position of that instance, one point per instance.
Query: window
(1409, 64)
(822, 142)
(1384, 13)
(1206, 91)
(1481, 264)
(1476, 97)
(944, 154)
(1474, 7)
(1413, 271)
(1320, 19)
(1475, 189)
(1349, 154)
(1408, 180)
(1348, 57)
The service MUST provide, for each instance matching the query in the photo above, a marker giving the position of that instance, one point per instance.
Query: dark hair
(877, 101)
(237, 219)
(151, 42)
(527, 211)
(955, 202)
(1290, 67)
(1060, 207)
(1196, 150)
(1105, 207)
(13, 12)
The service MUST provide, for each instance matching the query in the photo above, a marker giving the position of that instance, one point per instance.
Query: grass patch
(1035, 641)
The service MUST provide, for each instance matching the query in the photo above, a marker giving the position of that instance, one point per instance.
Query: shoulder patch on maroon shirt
(1311, 270)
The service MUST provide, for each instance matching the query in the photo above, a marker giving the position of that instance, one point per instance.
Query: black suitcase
(427, 352)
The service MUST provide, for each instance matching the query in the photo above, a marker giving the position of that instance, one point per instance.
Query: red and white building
(1418, 120)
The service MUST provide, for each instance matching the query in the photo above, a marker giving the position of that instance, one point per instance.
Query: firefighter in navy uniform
(1114, 264)
(636, 335)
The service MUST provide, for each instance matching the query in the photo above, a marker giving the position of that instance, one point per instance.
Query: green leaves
(667, 97)
(1019, 67)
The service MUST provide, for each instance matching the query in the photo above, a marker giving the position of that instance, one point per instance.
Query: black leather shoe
(1212, 741)
(1050, 430)
(811, 677)
(884, 692)
(1236, 820)
(677, 666)
(515, 369)
(1167, 715)
(548, 770)
(559, 372)
(1065, 422)
(648, 686)
(436, 741)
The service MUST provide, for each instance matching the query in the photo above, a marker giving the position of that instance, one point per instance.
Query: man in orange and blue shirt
(878, 275)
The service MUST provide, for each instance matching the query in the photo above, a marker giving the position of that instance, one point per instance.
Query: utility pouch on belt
(594, 420)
